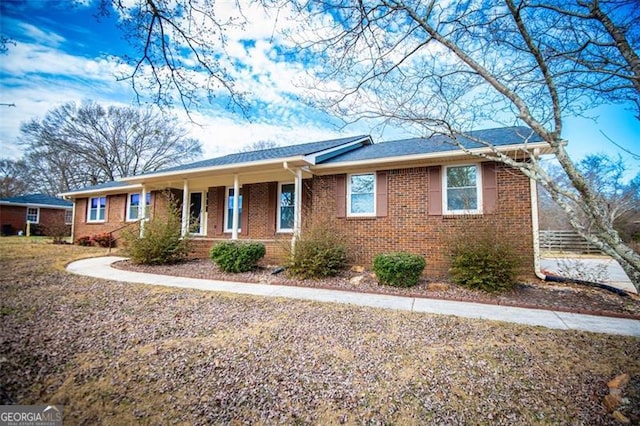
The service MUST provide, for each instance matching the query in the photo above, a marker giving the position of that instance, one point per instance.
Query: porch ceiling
(222, 178)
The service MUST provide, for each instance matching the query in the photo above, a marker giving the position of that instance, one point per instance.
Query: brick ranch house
(406, 195)
(44, 213)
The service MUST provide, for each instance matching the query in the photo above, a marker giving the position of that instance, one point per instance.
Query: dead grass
(123, 353)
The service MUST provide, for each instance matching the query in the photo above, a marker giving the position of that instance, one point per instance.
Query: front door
(196, 213)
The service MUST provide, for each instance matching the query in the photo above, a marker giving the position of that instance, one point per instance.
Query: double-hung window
(361, 189)
(68, 217)
(462, 194)
(231, 199)
(97, 208)
(133, 206)
(33, 214)
(286, 210)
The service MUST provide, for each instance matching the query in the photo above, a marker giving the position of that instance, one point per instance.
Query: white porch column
(142, 209)
(236, 208)
(185, 208)
(297, 207)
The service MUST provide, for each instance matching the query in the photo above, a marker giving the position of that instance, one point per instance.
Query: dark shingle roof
(98, 187)
(438, 143)
(41, 199)
(265, 154)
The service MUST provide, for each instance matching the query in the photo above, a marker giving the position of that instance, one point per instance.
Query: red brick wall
(16, 217)
(13, 216)
(115, 216)
(408, 227)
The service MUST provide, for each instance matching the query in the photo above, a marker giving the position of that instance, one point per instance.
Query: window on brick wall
(97, 209)
(230, 199)
(286, 211)
(361, 190)
(462, 192)
(33, 214)
(133, 206)
(68, 217)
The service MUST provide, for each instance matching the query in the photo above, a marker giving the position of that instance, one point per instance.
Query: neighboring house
(45, 213)
(411, 195)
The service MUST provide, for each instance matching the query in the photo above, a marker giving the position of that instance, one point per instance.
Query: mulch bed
(539, 295)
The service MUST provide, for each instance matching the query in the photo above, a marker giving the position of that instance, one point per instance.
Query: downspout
(536, 251)
(73, 221)
(536, 230)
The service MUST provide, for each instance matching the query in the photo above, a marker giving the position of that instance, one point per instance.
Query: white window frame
(97, 220)
(37, 214)
(279, 211)
(202, 228)
(226, 210)
(129, 218)
(445, 194)
(68, 213)
(349, 194)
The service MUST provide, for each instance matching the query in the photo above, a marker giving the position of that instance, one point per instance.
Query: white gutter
(536, 230)
(40, 206)
(98, 191)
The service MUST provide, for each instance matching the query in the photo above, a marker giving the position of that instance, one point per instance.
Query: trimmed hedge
(237, 256)
(398, 269)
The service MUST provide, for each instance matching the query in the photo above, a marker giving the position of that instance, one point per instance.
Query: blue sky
(63, 53)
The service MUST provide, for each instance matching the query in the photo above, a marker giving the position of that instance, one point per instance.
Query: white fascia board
(99, 191)
(430, 156)
(230, 167)
(40, 206)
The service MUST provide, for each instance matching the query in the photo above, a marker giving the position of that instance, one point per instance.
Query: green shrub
(237, 256)
(398, 269)
(162, 242)
(84, 241)
(320, 252)
(484, 263)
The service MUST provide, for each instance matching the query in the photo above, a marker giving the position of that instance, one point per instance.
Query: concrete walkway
(100, 267)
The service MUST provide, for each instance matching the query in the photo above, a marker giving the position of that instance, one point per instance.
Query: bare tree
(449, 69)
(179, 49)
(79, 145)
(14, 178)
(258, 146)
(607, 177)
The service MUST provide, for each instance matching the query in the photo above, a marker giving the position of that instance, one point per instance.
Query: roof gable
(306, 149)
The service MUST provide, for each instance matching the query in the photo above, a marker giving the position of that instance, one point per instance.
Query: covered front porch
(256, 202)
